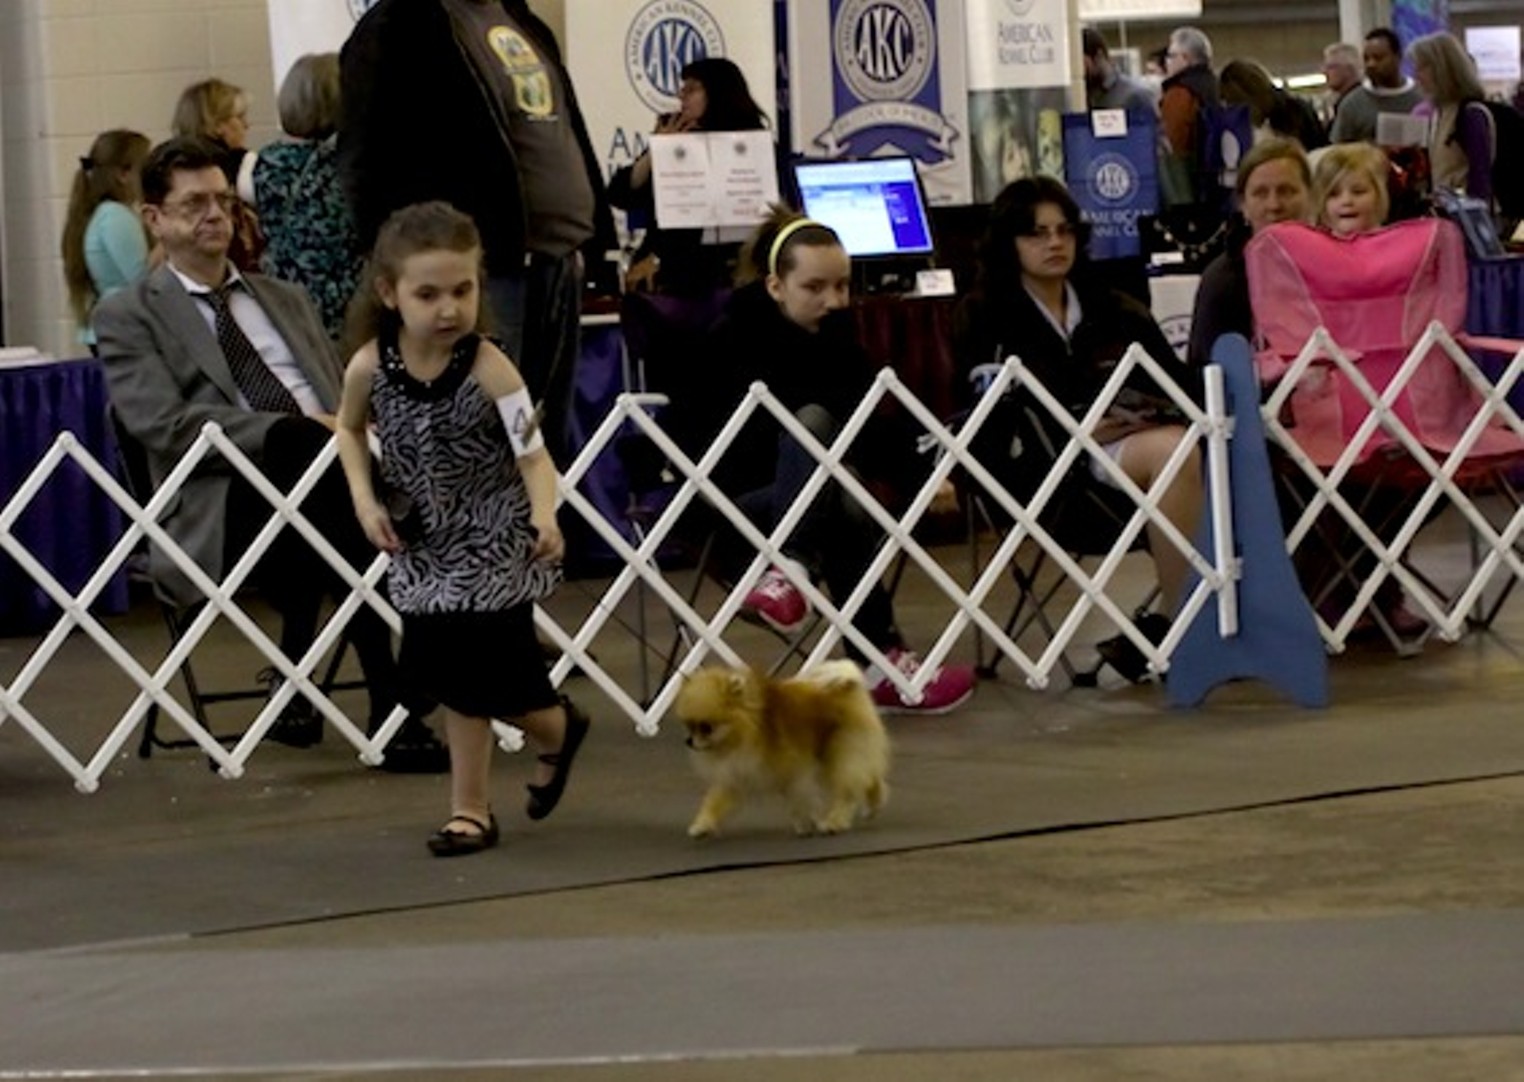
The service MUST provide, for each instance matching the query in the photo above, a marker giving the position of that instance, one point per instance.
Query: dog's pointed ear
(736, 685)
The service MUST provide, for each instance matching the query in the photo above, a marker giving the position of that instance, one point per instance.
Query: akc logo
(1019, 8)
(1113, 177)
(884, 48)
(360, 7)
(664, 37)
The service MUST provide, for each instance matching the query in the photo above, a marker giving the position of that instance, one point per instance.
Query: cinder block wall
(72, 68)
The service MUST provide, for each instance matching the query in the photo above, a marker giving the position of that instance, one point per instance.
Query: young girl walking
(469, 516)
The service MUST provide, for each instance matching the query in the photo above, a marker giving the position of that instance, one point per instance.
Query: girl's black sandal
(445, 842)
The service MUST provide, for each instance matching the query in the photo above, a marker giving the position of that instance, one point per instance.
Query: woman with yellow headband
(789, 327)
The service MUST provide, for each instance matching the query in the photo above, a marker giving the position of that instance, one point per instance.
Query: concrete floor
(1331, 869)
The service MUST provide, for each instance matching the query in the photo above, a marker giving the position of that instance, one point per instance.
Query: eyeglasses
(195, 207)
(1046, 233)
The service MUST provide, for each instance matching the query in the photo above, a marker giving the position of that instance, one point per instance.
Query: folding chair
(1085, 517)
(133, 462)
(665, 337)
(1345, 319)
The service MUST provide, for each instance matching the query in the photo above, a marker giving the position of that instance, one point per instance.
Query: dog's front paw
(833, 825)
(703, 827)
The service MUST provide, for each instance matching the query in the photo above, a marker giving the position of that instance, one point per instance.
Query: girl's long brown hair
(108, 172)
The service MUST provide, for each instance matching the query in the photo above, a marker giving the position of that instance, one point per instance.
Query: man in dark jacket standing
(468, 101)
(1195, 206)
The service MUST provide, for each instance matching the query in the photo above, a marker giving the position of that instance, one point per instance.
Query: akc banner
(626, 59)
(1111, 167)
(874, 77)
(298, 27)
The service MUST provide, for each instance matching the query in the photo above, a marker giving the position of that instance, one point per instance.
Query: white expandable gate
(1218, 570)
(1497, 548)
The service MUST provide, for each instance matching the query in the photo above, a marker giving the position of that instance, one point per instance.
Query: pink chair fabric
(1375, 293)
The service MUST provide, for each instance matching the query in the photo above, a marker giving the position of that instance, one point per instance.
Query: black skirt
(480, 664)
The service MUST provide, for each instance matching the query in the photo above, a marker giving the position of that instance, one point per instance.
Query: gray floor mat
(168, 848)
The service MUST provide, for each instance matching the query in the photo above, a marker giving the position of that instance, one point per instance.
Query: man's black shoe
(415, 750)
(299, 725)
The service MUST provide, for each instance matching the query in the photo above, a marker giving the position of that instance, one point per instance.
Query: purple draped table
(70, 524)
(600, 379)
(1495, 308)
(1495, 297)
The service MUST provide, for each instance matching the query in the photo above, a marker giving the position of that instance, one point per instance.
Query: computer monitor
(874, 205)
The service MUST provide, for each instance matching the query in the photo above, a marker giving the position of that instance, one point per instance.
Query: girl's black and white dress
(466, 580)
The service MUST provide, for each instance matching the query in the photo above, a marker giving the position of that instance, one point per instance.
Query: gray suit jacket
(167, 378)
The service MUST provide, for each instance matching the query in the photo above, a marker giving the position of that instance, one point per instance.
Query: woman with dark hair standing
(1272, 110)
(105, 246)
(714, 97)
(1033, 300)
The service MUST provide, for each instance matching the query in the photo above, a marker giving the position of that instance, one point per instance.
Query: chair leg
(175, 623)
(151, 738)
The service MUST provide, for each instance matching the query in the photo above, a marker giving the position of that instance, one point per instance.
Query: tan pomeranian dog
(816, 739)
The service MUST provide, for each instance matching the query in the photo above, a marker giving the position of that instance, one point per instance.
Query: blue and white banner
(1114, 177)
(874, 77)
(626, 58)
(299, 27)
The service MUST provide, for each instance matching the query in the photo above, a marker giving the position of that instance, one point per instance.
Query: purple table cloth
(1495, 297)
(70, 524)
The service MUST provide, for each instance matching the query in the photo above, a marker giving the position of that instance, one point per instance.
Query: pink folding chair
(1378, 296)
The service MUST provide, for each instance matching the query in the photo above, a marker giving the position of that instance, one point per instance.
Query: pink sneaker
(950, 688)
(776, 602)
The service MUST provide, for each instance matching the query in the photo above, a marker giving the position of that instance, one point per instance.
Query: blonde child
(470, 514)
(1349, 189)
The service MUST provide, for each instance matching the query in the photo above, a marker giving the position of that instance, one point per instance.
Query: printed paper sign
(713, 178)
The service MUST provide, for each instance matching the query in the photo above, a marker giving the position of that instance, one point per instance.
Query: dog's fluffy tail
(835, 675)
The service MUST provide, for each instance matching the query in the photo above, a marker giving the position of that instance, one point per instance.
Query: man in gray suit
(196, 341)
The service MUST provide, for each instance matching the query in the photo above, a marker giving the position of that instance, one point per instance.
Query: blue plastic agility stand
(1277, 640)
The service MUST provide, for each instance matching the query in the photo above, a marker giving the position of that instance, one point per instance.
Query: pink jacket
(1375, 293)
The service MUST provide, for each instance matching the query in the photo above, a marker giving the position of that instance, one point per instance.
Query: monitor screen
(875, 206)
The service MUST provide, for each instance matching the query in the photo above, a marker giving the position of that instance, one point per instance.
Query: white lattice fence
(641, 563)
(1496, 546)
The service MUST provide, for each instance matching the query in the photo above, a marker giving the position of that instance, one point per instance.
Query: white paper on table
(24, 357)
(746, 176)
(682, 181)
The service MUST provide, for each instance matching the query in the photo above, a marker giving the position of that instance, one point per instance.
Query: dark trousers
(537, 316)
(291, 574)
(836, 539)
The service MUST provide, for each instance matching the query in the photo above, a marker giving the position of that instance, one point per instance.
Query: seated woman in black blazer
(1033, 300)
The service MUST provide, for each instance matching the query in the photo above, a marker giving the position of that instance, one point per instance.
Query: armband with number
(522, 422)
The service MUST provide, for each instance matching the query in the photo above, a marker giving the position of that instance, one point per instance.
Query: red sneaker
(949, 689)
(776, 602)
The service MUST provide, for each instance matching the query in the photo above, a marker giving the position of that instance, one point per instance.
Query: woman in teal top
(310, 234)
(104, 244)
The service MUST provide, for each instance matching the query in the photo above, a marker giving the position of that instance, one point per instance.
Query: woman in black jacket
(713, 96)
(1274, 185)
(790, 328)
(1033, 300)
